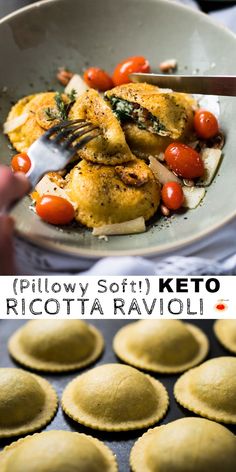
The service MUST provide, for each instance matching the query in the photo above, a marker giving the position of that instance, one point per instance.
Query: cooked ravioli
(27, 402)
(42, 112)
(112, 194)
(110, 146)
(58, 345)
(142, 142)
(58, 451)
(115, 397)
(225, 331)
(165, 114)
(210, 389)
(185, 445)
(166, 346)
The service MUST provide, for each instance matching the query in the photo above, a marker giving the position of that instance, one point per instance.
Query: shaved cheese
(78, 84)
(47, 186)
(15, 123)
(211, 159)
(161, 172)
(127, 227)
(209, 102)
(169, 65)
(161, 157)
(165, 90)
(193, 196)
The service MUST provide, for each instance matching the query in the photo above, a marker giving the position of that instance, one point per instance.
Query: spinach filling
(130, 111)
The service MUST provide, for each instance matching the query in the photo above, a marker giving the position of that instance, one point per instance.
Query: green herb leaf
(51, 114)
(72, 96)
(62, 107)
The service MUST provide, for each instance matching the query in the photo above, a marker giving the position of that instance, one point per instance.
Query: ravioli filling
(126, 111)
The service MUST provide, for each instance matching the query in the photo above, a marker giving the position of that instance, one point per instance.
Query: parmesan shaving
(193, 196)
(77, 84)
(165, 90)
(127, 227)
(15, 123)
(161, 172)
(47, 186)
(211, 158)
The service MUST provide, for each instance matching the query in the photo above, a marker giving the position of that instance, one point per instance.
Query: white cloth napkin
(226, 17)
(215, 254)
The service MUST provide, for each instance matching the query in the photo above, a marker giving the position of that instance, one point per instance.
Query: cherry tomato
(55, 210)
(98, 79)
(184, 161)
(127, 67)
(205, 124)
(220, 306)
(21, 163)
(172, 195)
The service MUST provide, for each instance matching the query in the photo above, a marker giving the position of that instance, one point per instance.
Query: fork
(55, 148)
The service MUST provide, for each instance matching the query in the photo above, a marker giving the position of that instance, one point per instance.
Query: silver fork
(55, 148)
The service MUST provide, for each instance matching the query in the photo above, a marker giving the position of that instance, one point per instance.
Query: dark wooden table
(7, 6)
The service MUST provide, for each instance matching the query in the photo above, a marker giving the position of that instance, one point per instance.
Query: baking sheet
(120, 443)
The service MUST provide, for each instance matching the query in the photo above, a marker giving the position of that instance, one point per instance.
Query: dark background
(120, 443)
(7, 6)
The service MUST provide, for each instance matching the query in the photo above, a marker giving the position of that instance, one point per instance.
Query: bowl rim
(174, 3)
(159, 249)
(88, 253)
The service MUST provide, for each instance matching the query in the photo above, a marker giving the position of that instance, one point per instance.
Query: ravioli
(115, 397)
(110, 147)
(143, 143)
(185, 445)
(38, 120)
(57, 451)
(112, 194)
(27, 402)
(166, 346)
(165, 114)
(210, 389)
(56, 346)
(225, 331)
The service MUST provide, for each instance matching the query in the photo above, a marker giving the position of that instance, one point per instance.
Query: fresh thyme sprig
(72, 96)
(62, 107)
(51, 116)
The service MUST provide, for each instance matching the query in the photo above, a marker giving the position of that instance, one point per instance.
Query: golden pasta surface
(58, 451)
(185, 445)
(225, 331)
(210, 389)
(27, 402)
(112, 194)
(56, 345)
(166, 346)
(115, 397)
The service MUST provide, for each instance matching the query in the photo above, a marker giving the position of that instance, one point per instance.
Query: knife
(203, 84)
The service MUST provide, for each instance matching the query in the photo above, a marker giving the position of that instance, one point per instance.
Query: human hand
(12, 187)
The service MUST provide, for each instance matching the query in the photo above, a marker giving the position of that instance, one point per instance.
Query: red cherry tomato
(184, 161)
(98, 79)
(55, 210)
(127, 67)
(21, 163)
(172, 195)
(220, 306)
(205, 124)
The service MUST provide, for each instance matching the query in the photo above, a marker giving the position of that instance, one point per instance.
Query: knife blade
(224, 85)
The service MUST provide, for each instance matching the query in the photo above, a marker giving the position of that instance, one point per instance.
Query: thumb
(7, 263)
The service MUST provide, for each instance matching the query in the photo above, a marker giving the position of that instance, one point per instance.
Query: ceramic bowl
(76, 33)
